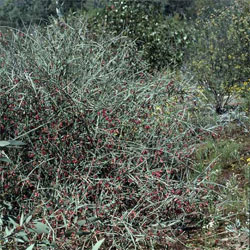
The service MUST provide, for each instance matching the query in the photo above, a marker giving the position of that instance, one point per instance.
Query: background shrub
(205, 8)
(219, 59)
(108, 145)
(22, 13)
(161, 39)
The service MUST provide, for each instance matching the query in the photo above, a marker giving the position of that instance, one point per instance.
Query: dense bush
(205, 8)
(22, 12)
(220, 55)
(173, 7)
(161, 39)
(108, 146)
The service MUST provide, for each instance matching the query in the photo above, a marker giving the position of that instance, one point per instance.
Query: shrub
(108, 146)
(161, 39)
(220, 53)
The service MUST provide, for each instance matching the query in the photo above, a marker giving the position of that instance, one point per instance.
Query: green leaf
(93, 219)
(19, 240)
(4, 143)
(28, 219)
(17, 143)
(41, 228)
(98, 244)
(12, 222)
(21, 219)
(81, 222)
(22, 235)
(81, 233)
(30, 247)
(8, 232)
(5, 159)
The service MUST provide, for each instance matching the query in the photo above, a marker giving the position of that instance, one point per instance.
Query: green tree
(160, 39)
(220, 55)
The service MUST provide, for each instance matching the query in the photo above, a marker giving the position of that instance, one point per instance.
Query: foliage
(162, 40)
(204, 8)
(230, 155)
(4, 144)
(219, 58)
(111, 150)
(23, 12)
(109, 146)
(71, 6)
(190, 9)
(173, 7)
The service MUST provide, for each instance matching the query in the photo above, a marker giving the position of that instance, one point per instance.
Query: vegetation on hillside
(23, 13)
(107, 144)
